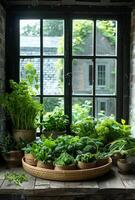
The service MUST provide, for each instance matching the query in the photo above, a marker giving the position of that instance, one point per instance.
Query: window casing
(69, 96)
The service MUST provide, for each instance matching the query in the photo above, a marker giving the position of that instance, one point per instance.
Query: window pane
(29, 37)
(53, 72)
(36, 64)
(81, 108)
(82, 76)
(53, 37)
(52, 103)
(105, 106)
(106, 37)
(106, 72)
(82, 42)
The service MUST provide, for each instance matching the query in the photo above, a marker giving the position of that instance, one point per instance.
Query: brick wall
(2, 61)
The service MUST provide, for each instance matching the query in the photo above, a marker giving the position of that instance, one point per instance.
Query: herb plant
(20, 106)
(84, 127)
(55, 121)
(65, 159)
(109, 130)
(86, 158)
(18, 179)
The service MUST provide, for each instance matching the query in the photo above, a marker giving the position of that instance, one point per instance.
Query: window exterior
(101, 75)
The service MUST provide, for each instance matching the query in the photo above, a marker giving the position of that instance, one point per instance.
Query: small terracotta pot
(54, 134)
(67, 167)
(41, 164)
(101, 162)
(26, 135)
(123, 166)
(82, 165)
(13, 158)
(29, 158)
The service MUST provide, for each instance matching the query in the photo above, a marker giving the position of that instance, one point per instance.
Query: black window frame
(123, 51)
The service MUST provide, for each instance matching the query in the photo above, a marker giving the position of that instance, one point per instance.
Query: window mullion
(94, 67)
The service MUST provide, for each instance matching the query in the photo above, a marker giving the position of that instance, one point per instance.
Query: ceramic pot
(13, 158)
(82, 165)
(67, 167)
(41, 164)
(123, 166)
(26, 135)
(29, 158)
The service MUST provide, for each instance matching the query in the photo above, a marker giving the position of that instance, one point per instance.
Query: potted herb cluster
(65, 162)
(22, 109)
(86, 161)
(55, 123)
(11, 151)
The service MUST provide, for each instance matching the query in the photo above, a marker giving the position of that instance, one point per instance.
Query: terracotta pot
(41, 164)
(101, 162)
(29, 158)
(26, 135)
(123, 166)
(13, 158)
(54, 134)
(82, 165)
(67, 167)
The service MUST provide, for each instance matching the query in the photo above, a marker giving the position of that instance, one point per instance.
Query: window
(80, 60)
(42, 43)
(101, 75)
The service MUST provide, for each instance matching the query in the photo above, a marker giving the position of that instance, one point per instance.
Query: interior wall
(2, 62)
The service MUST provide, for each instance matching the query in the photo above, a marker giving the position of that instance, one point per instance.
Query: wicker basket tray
(67, 175)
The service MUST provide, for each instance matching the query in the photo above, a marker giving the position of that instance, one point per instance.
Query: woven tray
(67, 175)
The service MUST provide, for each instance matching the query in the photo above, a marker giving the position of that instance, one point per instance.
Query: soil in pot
(41, 164)
(124, 166)
(82, 165)
(29, 158)
(26, 135)
(66, 167)
(101, 162)
(13, 158)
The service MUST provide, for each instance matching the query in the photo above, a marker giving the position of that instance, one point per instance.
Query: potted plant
(125, 148)
(44, 152)
(109, 130)
(101, 158)
(65, 162)
(86, 161)
(45, 159)
(55, 123)
(22, 110)
(11, 151)
(29, 153)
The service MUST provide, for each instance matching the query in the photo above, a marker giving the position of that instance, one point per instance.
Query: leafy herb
(84, 127)
(19, 105)
(65, 159)
(55, 121)
(86, 158)
(18, 179)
